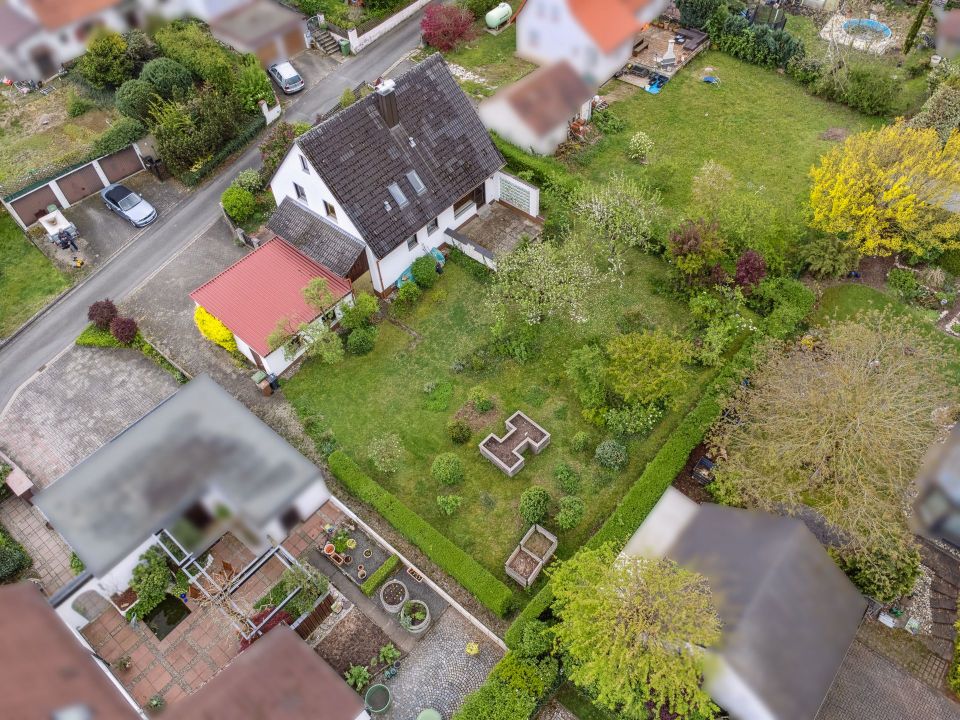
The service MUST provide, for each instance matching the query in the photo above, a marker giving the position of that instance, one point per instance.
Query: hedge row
(515, 689)
(541, 171)
(459, 565)
(655, 479)
(373, 582)
(192, 177)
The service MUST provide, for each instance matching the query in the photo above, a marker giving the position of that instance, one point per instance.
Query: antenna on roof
(386, 205)
(411, 141)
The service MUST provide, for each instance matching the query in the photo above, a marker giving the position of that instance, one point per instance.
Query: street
(28, 352)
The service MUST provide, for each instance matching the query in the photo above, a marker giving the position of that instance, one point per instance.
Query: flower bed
(506, 453)
(533, 552)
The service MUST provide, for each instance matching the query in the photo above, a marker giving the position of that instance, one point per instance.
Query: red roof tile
(609, 22)
(251, 296)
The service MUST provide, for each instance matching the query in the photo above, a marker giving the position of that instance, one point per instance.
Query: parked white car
(287, 77)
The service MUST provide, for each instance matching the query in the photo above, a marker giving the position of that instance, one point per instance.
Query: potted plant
(393, 595)
(123, 663)
(415, 616)
(329, 549)
(367, 553)
(361, 572)
(351, 544)
(347, 559)
(340, 541)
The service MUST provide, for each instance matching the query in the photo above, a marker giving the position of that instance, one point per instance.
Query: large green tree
(634, 631)
(106, 62)
(648, 367)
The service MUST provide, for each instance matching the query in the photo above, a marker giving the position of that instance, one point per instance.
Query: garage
(80, 183)
(121, 164)
(293, 42)
(33, 205)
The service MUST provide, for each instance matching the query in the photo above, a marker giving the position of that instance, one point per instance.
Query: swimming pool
(852, 26)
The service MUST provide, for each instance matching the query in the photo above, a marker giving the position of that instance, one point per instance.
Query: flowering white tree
(621, 214)
(541, 280)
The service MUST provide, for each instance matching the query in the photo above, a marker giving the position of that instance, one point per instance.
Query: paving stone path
(943, 598)
(438, 673)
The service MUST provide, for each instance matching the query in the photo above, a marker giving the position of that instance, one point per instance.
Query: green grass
(92, 336)
(492, 57)
(365, 397)
(576, 702)
(28, 280)
(761, 126)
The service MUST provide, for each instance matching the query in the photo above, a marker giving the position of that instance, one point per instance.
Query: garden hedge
(372, 583)
(193, 177)
(492, 593)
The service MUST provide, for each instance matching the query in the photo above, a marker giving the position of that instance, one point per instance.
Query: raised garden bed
(352, 641)
(534, 551)
(506, 452)
(392, 595)
(415, 616)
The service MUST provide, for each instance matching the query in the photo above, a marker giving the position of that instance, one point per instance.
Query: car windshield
(129, 201)
(292, 80)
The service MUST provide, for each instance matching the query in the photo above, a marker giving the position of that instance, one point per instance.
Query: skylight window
(416, 183)
(398, 195)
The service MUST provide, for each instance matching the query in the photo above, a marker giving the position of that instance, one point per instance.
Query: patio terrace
(497, 228)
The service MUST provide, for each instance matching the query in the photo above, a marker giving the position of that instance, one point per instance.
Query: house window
(463, 204)
(329, 210)
(432, 226)
(411, 242)
(304, 164)
(416, 183)
(397, 194)
(301, 193)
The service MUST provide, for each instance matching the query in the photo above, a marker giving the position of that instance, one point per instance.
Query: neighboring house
(948, 31)
(395, 170)
(789, 614)
(535, 112)
(279, 677)
(47, 670)
(265, 28)
(198, 466)
(595, 36)
(264, 290)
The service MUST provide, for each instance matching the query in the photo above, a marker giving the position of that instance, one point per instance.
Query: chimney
(669, 57)
(387, 103)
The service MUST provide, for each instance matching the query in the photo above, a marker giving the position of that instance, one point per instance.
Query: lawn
(493, 58)
(36, 133)
(365, 397)
(28, 280)
(760, 125)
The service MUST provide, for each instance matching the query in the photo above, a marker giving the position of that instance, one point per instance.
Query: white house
(535, 112)
(263, 290)
(394, 171)
(595, 36)
(197, 466)
(788, 612)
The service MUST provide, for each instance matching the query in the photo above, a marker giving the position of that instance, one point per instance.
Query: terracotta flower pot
(328, 549)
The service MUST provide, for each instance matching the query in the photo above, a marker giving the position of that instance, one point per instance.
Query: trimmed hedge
(372, 583)
(492, 593)
(653, 482)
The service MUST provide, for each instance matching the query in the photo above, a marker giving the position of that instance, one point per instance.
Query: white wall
(276, 362)
(358, 42)
(547, 32)
(117, 579)
(498, 115)
(290, 172)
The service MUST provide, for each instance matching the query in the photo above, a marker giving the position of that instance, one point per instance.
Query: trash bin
(345, 46)
(259, 376)
(274, 383)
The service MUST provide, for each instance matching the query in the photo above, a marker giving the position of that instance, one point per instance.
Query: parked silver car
(286, 76)
(128, 205)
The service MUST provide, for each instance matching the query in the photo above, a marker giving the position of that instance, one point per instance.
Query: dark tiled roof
(315, 236)
(358, 156)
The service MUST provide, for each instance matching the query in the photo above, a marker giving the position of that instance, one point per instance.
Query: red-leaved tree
(444, 26)
(102, 313)
(751, 269)
(124, 329)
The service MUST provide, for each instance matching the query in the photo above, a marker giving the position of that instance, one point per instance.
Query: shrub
(611, 454)
(570, 513)
(238, 203)
(360, 313)
(150, 579)
(640, 147)
(13, 558)
(140, 48)
(214, 330)
(101, 313)
(533, 504)
(407, 297)
(478, 8)
(608, 122)
(696, 13)
(632, 419)
(447, 469)
(568, 479)
(829, 256)
(446, 26)
(534, 639)
(170, 79)
(495, 701)
(449, 504)
(347, 99)
(76, 564)
(385, 452)
(424, 271)
(884, 576)
(580, 441)
(77, 105)
(106, 62)
(904, 283)
(312, 583)
(250, 180)
(870, 91)
(357, 676)
(950, 261)
(275, 146)
(124, 329)
(480, 399)
(785, 302)
(191, 44)
(361, 340)
(380, 575)
(751, 269)
(490, 591)
(134, 99)
(253, 85)
(526, 675)
(123, 132)
(458, 431)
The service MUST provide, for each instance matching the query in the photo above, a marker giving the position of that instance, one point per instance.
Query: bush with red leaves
(123, 329)
(445, 26)
(102, 313)
(751, 269)
(281, 617)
